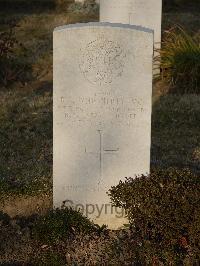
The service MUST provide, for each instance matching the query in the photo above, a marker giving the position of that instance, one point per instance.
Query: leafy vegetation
(164, 211)
(62, 223)
(180, 61)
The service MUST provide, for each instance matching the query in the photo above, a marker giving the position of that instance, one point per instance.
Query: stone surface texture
(102, 113)
(146, 13)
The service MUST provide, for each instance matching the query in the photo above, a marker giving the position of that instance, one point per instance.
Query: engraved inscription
(102, 61)
(83, 187)
(99, 109)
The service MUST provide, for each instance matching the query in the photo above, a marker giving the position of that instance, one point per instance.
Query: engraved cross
(102, 150)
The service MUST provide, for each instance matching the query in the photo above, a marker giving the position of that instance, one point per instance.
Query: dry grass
(176, 132)
(26, 109)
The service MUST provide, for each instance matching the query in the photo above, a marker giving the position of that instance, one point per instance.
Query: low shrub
(180, 61)
(164, 212)
(59, 224)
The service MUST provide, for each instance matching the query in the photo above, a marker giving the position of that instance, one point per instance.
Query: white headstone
(83, 1)
(80, 1)
(102, 113)
(146, 13)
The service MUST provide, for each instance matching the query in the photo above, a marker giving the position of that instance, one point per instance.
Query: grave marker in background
(83, 1)
(102, 113)
(146, 13)
(80, 1)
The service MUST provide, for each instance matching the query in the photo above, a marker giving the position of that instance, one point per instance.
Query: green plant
(180, 61)
(164, 211)
(59, 224)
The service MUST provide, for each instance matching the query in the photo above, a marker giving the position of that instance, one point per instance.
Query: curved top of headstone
(104, 24)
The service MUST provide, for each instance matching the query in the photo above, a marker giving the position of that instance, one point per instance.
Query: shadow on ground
(176, 132)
